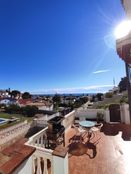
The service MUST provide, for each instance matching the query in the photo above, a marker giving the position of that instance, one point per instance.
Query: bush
(30, 111)
(109, 95)
(100, 116)
(12, 109)
(124, 99)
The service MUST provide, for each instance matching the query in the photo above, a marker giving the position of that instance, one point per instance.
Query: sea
(67, 94)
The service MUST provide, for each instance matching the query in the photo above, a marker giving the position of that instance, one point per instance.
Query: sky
(59, 46)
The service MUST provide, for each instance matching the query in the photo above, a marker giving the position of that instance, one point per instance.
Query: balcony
(106, 152)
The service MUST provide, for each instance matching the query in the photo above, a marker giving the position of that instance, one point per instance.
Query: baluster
(45, 166)
(42, 165)
(34, 165)
(42, 141)
(39, 141)
(33, 142)
(51, 167)
(38, 166)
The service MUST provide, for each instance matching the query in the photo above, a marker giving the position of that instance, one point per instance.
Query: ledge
(60, 151)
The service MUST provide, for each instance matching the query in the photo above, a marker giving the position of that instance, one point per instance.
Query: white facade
(125, 116)
(45, 107)
(127, 7)
(60, 165)
(92, 114)
(25, 167)
(89, 113)
(7, 102)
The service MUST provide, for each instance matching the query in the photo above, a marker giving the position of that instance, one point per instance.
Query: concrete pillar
(107, 116)
(122, 113)
(126, 113)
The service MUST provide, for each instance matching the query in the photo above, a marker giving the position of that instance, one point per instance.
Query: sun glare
(122, 29)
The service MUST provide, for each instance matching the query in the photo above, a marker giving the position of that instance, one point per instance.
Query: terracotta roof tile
(13, 156)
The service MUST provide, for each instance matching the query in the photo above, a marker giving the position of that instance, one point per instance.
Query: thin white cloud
(91, 89)
(101, 71)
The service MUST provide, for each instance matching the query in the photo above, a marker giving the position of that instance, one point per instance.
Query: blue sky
(59, 45)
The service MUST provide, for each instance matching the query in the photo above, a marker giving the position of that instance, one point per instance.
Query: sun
(122, 29)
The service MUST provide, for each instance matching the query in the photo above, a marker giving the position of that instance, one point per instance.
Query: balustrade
(42, 161)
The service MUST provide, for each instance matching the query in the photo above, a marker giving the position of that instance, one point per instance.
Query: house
(4, 94)
(8, 101)
(42, 105)
(24, 102)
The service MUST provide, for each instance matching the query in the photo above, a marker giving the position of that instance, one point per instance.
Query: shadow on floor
(114, 129)
(79, 149)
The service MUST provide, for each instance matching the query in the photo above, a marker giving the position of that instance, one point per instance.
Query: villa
(85, 140)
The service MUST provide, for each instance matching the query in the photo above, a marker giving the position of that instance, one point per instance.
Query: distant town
(13, 101)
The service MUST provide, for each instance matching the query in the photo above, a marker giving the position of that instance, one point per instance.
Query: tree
(15, 93)
(30, 111)
(56, 99)
(99, 96)
(93, 98)
(12, 109)
(109, 95)
(124, 99)
(26, 95)
(123, 84)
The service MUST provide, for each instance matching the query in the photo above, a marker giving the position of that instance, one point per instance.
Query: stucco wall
(125, 116)
(127, 7)
(69, 119)
(60, 165)
(25, 167)
(88, 113)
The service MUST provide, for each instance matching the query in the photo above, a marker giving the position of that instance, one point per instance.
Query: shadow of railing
(92, 147)
(79, 149)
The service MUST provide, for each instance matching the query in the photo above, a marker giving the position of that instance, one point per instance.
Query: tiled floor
(104, 154)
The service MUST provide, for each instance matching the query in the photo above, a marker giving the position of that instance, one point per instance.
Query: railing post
(60, 160)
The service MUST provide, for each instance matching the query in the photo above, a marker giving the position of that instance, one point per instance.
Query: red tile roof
(14, 155)
(24, 101)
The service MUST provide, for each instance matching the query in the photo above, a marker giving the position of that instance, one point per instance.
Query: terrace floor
(106, 153)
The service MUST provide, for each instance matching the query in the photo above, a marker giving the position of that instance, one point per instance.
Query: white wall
(125, 116)
(25, 167)
(69, 119)
(127, 6)
(60, 165)
(48, 108)
(88, 113)
(107, 116)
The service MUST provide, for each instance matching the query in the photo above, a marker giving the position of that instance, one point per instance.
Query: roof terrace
(107, 151)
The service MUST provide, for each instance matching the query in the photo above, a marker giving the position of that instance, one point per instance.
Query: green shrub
(100, 116)
(109, 95)
(29, 111)
(124, 99)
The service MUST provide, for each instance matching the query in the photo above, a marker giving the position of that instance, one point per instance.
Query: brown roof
(12, 156)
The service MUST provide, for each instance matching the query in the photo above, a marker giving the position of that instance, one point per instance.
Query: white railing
(43, 121)
(42, 157)
(39, 139)
(42, 161)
